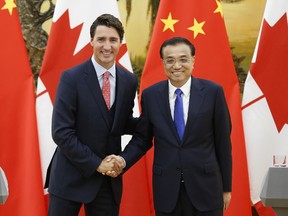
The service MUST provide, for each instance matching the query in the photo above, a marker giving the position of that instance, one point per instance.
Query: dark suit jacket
(83, 133)
(203, 156)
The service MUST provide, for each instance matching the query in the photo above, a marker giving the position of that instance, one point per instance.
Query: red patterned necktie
(106, 88)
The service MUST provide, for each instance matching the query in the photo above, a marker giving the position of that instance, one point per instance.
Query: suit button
(182, 177)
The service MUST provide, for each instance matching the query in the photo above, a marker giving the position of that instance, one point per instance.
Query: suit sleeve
(132, 122)
(222, 125)
(63, 128)
(141, 141)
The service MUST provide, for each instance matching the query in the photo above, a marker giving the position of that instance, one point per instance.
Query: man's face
(178, 63)
(106, 44)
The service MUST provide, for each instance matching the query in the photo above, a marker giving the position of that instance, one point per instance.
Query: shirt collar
(185, 88)
(101, 70)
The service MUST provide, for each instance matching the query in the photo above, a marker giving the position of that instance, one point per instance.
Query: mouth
(177, 73)
(106, 54)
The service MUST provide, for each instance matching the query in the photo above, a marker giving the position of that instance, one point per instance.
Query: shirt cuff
(124, 162)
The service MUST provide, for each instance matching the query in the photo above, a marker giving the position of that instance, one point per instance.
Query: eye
(183, 60)
(100, 39)
(169, 61)
(114, 40)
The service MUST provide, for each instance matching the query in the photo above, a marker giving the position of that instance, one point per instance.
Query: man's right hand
(111, 165)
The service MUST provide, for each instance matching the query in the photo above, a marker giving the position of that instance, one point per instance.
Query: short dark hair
(109, 21)
(177, 40)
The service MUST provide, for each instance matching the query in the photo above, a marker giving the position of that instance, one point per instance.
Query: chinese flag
(202, 23)
(19, 150)
(68, 45)
(265, 105)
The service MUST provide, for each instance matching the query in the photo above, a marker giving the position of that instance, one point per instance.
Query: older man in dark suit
(189, 120)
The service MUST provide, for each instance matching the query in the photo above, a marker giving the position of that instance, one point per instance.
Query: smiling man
(93, 108)
(189, 120)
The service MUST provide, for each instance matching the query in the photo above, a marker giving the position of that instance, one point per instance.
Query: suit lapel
(164, 99)
(195, 101)
(93, 84)
(120, 91)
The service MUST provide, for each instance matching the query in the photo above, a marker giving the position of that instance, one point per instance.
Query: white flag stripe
(251, 91)
(125, 61)
(262, 141)
(274, 10)
(262, 137)
(44, 115)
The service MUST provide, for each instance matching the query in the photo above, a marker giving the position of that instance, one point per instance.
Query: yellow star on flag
(197, 28)
(169, 23)
(10, 4)
(219, 8)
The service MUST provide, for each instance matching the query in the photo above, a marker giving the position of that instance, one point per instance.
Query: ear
(91, 42)
(193, 58)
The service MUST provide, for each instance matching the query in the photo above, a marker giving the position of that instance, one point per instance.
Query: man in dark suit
(192, 166)
(87, 125)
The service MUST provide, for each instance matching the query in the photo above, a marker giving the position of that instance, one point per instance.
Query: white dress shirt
(185, 97)
(99, 73)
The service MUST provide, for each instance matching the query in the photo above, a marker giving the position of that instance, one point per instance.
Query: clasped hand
(112, 166)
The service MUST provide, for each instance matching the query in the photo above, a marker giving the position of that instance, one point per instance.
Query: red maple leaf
(271, 69)
(59, 54)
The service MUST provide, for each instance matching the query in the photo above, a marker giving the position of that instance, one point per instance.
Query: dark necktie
(106, 88)
(179, 114)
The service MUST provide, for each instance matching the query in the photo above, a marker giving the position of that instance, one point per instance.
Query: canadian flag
(68, 45)
(265, 104)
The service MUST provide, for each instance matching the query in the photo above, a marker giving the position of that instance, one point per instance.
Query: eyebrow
(103, 37)
(182, 56)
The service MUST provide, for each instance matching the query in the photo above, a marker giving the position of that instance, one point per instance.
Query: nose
(177, 65)
(107, 45)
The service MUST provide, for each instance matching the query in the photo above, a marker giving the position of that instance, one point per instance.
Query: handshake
(112, 166)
